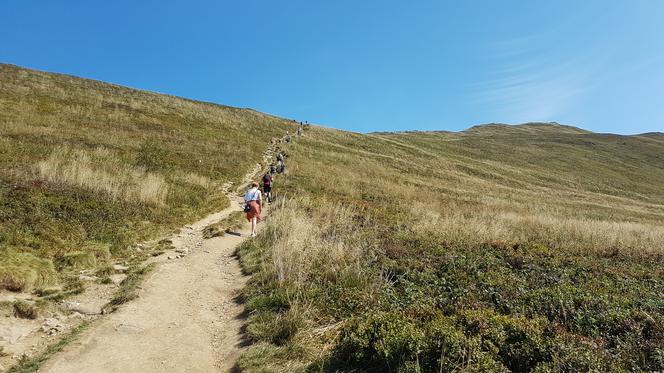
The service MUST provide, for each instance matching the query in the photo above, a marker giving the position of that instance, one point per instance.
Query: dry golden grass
(195, 179)
(469, 199)
(581, 235)
(99, 171)
(24, 271)
(303, 245)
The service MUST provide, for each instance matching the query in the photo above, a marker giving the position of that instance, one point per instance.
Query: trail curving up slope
(186, 318)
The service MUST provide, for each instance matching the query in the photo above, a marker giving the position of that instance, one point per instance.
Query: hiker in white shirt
(253, 200)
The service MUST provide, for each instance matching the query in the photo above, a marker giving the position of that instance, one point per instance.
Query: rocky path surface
(185, 319)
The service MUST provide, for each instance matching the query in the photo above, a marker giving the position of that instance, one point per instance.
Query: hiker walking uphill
(281, 166)
(267, 186)
(253, 200)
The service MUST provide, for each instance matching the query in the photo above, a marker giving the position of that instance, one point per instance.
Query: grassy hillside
(88, 169)
(530, 248)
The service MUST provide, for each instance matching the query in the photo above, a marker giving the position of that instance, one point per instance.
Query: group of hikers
(259, 192)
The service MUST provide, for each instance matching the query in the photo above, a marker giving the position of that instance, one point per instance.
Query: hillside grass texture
(531, 248)
(88, 169)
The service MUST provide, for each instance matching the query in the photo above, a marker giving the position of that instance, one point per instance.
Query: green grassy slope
(536, 247)
(88, 168)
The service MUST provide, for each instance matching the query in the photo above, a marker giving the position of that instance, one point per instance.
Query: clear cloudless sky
(366, 65)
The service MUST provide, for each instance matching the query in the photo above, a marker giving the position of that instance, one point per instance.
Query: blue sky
(366, 65)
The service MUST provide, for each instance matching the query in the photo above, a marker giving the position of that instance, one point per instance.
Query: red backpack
(267, 180)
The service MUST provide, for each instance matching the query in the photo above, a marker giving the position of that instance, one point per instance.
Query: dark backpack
(267, 180)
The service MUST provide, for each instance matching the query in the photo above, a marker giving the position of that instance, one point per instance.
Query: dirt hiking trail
(185, 319)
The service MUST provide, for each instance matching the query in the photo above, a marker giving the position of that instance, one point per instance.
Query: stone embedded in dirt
(52, 326)
(128, 328)
(171, 257)
(80, 308)
(87, 278)
(120, 268)
(117, 278)
(86, 310)
(75, 315)
(182, 251)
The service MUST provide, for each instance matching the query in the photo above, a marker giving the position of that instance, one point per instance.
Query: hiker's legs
(253, 226)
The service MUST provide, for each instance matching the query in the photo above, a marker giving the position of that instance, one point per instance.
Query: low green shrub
(394, 342)
(276, 301)
(274, 327)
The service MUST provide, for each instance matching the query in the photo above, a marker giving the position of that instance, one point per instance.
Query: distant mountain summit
(530, 127)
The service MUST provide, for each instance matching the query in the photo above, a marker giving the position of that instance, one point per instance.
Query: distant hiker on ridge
(253, 200)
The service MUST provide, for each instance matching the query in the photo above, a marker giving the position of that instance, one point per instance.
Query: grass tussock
(533, 248)
(128, 288)
(24, 271)
(25, 310)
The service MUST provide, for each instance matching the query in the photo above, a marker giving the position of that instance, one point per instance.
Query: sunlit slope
(619, 175)
(87, 168)
(536, 247)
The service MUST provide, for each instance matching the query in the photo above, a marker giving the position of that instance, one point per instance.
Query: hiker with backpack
(253, 202)
(267, 186)
(280, 162)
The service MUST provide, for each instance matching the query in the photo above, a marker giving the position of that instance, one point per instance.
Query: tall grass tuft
(24, 271)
